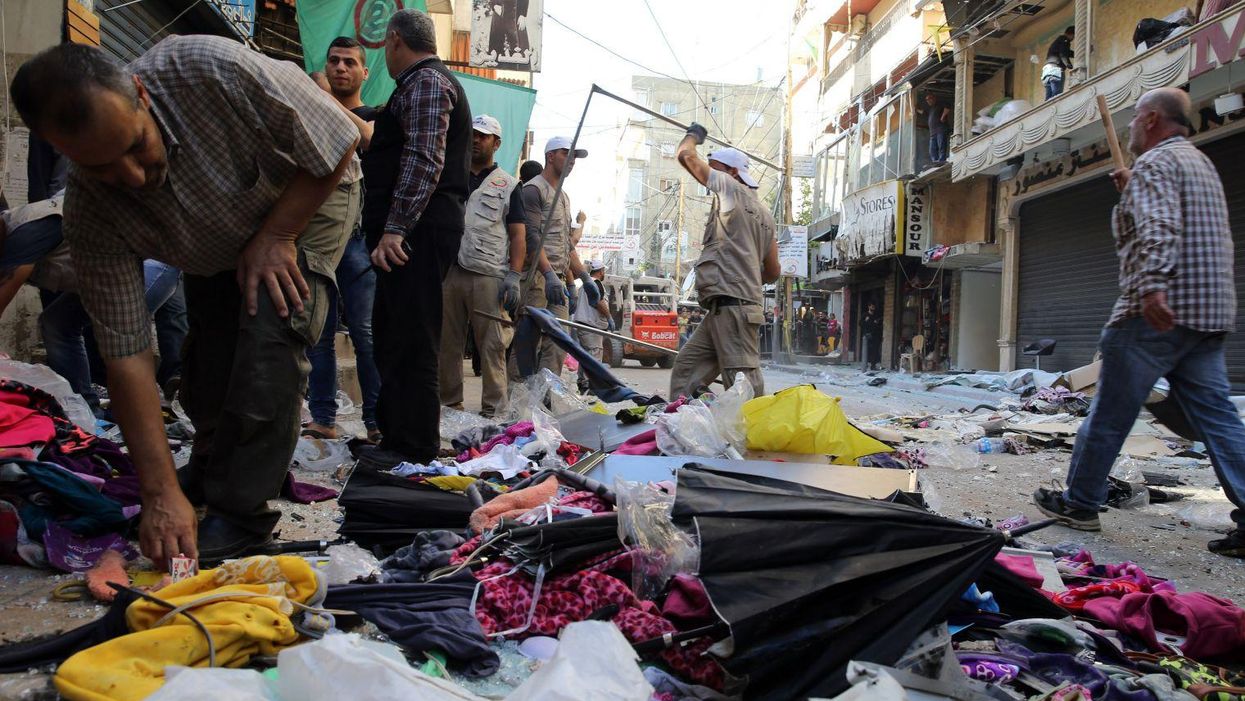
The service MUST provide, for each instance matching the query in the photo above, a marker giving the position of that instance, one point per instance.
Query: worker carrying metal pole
(740, 254)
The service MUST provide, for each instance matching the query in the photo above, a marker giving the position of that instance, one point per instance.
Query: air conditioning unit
(858, 25)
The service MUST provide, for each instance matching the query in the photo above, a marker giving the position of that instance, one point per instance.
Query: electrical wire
(688, 78)
(189, 7)
(608, 49)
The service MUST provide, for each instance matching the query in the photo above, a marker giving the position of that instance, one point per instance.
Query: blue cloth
(1054, 86)
(357, 282)
(526, 345)
(1134, 357)
(31, 242)
(55, 494)
(172, 325)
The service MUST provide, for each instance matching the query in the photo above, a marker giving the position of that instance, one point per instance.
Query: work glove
(611, 326)
(508, 291)
(555, 291)
(698, 133)
(590, 286)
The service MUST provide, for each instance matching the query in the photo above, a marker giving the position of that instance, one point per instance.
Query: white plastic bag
(42, 377)
(349, 563)
(593, 662)
(213, 684)
(346, 666)
(728, 411)
(319, 454)
(692, 431)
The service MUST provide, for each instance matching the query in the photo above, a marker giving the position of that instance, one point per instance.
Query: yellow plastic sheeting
(245, 605)
(803, 420)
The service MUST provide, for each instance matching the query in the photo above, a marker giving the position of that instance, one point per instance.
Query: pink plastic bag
(571, 364)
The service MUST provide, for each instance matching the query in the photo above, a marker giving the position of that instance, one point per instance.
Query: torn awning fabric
(809, 580)
(526, 347)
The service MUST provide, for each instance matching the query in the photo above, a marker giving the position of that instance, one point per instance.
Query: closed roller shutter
(1068, 266)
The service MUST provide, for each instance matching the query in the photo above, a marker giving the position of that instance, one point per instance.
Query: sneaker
(1052, 503)
(1231, 546)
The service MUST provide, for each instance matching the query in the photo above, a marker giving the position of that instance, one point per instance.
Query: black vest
(383, 162)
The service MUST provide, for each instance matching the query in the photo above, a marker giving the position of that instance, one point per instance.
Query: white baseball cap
(486, 125)
(735, 158)
(595, 265)
(558, 143)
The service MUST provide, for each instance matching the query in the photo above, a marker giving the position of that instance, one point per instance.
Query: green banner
(322, 21)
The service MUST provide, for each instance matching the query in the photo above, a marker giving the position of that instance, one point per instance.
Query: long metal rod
(657, 115)
(581, 327)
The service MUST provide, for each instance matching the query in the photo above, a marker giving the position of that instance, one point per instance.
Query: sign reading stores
(872, 222)
(240, 14)
(916, 229)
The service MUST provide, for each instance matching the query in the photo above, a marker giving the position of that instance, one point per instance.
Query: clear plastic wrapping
(660, 549)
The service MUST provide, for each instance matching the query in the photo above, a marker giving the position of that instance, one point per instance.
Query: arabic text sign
(793, 251)
(602, 241)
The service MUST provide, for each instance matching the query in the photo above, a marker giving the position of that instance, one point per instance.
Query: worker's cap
(558, 143)
(735, 158)
(595, 265)
(486, 125)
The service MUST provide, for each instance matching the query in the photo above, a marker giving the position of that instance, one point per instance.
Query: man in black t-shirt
(346, 70)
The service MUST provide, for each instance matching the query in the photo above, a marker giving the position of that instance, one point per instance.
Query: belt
(718, 302)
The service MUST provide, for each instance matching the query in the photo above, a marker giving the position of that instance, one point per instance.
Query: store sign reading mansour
(872, 222)
(1218, 43)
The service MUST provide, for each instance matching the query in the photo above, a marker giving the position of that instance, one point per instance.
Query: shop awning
(971, 255)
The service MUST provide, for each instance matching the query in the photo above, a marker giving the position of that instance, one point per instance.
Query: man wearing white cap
(557, 255)
(485, 275)
(596, 315)
(740, 254)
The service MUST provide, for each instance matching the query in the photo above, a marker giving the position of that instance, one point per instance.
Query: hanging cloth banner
(322, 21)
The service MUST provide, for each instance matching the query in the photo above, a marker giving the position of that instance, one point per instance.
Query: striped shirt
(421, 102)
(236, 125)
(1172, 235)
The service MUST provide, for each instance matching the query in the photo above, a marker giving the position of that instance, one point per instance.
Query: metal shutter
(1068, 266)
(125, 27)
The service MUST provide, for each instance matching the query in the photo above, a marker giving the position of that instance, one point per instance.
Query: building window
(642, 97)
(668, 185)
(669, 109)
(667, 150)
(664, 226)
(631, 221)
(755, 119)
(635, 184)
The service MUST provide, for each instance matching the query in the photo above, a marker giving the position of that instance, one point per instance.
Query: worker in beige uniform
(557, 255)
(485, 277)
(740, 254)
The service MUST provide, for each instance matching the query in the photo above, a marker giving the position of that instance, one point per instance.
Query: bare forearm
(136, 406)
(691, 161)
(576, 265)
(11, 281)
(301, 198)
(542, 263)
(518, 246)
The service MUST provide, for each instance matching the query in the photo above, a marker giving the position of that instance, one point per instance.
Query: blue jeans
(1054, 86)
(64, 325)
(938, 146)
(1134, 357)
(357, 281)
(172, 325)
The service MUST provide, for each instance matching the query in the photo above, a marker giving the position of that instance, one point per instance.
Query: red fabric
(687, 604)
(1076, 598)
(1023, 567)
(1213, 627)
(21, 425)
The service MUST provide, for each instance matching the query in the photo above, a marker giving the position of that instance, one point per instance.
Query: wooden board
(81, 25)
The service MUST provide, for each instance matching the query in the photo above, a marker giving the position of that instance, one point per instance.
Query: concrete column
(963, 110)
(1082, 58)
(890, 317)
(1009, 237)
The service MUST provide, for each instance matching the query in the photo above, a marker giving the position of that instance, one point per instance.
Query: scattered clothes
(504, 460)
(687, 604)
(634, 415)
(245, 604)
(411, 563)
(1021, 566)
(475, 436)
(16, 547)
(1213, 628)
(1011, 523)
(451, 483)
(70, 553)
(434, 468)
(44, 493)
(1057, 400)
(304, 493)
(422, 617)
(639, 444)
(1076, 598)
(512, 504)
(21, 425)
(102, 461)
(110, 568)
(68, 436)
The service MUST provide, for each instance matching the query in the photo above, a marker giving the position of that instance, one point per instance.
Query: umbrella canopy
(809, 580)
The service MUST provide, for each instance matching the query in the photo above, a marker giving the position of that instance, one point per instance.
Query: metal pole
(590, 329)
(664, 118)
(678, 241)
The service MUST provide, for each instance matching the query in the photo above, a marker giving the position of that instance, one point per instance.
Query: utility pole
(787, 170)
(678, 241)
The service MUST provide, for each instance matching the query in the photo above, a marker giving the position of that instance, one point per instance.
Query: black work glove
(555, 291)
(698, 133)
(590, 286)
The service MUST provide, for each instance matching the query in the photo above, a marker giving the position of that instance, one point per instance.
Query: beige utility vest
(735, 245)
(558, 233)
(485, 247)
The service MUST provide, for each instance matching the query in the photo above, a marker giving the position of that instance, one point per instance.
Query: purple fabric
(1023, 567)
(987, 670)
(1213, 627)
(520, 429)
(70, 553)
(103, 460)
(687, 605)
(304, 493)
(639, 444)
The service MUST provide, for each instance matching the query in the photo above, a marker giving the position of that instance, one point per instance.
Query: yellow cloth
(451, 483)
(250, 617)
(804, 420)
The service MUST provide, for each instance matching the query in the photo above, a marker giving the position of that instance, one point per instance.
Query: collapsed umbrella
(809, 580)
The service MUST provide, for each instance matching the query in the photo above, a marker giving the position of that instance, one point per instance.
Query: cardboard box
(1082, 379)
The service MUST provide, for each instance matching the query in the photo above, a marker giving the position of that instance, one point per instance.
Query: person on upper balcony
(1058, 63)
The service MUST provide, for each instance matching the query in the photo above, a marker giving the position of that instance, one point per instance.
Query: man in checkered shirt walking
(1177, 304)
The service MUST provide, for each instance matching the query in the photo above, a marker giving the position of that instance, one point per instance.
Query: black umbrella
(809, 580)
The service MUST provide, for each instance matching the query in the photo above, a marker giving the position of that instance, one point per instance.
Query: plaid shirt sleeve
(110, 276)
(300, 117)
(424, 114)
(1158, 218)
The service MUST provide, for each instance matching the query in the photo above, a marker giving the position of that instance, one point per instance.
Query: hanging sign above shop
(872, 222)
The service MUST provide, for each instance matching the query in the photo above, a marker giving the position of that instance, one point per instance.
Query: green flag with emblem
(322, 21)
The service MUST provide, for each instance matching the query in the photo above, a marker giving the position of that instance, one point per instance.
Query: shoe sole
(1069, 521)
(1230, 552)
